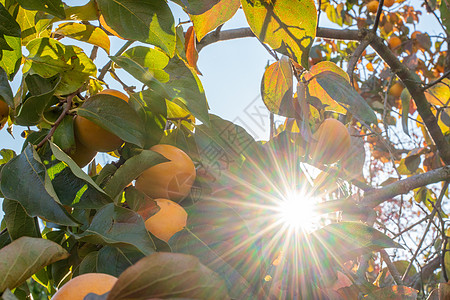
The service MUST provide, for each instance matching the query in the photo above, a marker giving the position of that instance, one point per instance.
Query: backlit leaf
(347, 240)
(315, 90)
(167, 275)
(53, 7)
(11, 59)
(49, 57)
(85, 33)
(288, 26)
(147, 21)
(145, 75)
(185, 86)
(24, 257)
(341, 91)
(439, 94)
(190, 47)
(215, 16)
(277, 88)
(396, 292)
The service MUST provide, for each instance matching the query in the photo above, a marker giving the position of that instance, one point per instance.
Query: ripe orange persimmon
(106, 26)
(4, 110)
(333, 142)
(388, 3)
(396, 89)
(82, 155)
(78, 287)
(93, 136)
(173, 179)
(414, 34)
(372, 6)
(394, 42)
(170, 219)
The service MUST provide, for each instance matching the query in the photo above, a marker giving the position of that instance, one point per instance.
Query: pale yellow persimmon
(170, 219)
(171, 180)
(93, 136)
(78, 287)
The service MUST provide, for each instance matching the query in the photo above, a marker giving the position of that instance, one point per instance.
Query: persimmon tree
(365, 105)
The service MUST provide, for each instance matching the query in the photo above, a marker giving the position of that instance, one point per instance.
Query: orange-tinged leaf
(288, 26)
(168, 275)
(396, 292)
(317, 91)
(215, 16)
(85, 33)
(439, 94)
(277, 87)
(190, 46)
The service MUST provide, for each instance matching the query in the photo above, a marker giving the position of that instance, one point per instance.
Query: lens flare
(298, 212)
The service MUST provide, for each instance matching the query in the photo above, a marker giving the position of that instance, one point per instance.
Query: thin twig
(427, 86)
(105, 69)
(391, 267)
(355, 58)
(377, 17)
(433, 213)
(59, 120)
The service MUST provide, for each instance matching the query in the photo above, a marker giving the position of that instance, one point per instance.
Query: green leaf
(18, 222)
(151, 106)
(347, 240)
(445, 15)
(131, 169)
(24, 257)
(185, 85)
(87, 12)
(213, 17)
(36, 193)
(40, 98)
(7, 155)
(341, 91)
(406, 98)
(5, 89)
(89, 263)
(85, 33)
(147, 21)
(8, 26)
(118, 226)
(115, 260)
(277, 87)
(115, 116)
(143, 74)
(33, 25)
(287, 26)
(197, 7)
(73, 186)
(53, 7)
(64, 136)
(153, 60)
(166, 275)
(11, 59)
(49, 57)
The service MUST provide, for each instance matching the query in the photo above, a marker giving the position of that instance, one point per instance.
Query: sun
(298, 212)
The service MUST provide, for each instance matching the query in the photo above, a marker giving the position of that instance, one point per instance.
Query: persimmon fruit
(82, 155)
(4, 110)
(396, 89)
(333, 142)
(170, 219)
(372, 6)
(388, 3)
(171, 180)
(78, 287)
(394, 42)
(93, 136)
